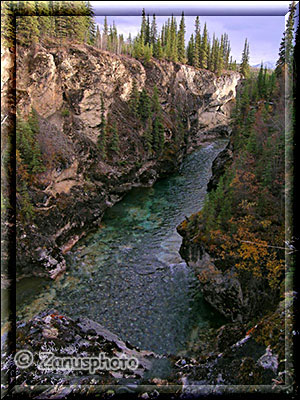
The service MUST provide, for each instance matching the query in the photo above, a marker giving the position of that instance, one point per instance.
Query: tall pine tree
(181, 41)
(245, 67)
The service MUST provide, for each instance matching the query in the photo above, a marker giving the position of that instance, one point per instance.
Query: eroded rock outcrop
(64, 85)
(71, 353)
(234, 293)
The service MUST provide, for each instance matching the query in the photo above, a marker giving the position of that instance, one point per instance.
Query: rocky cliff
(236, 294)
(64, 85)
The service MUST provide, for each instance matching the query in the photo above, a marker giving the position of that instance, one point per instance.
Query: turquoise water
(129, 275)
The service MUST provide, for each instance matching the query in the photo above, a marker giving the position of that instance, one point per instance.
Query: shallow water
(129, 275)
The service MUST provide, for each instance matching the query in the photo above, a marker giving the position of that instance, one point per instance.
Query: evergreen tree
(7, 23)
(159, 50)
(173, 39)
(261, 81)
(158, 135)
(233, 66)
(138, 47)
(144, 105)
(168, 45)
(286, 45)
(147, 31)
(27, 144)
(143, 27)
(245, 67)
(226, 50)
(197, 46)
(204, 48)
(90, 22)
(42, 10)
(105, 28)
(215, 55)
(62, 22)
(98, 38)
(27, 25)
(134, 99)
(163, 36)
(281, 60)
(290, 35)
(148, 50)
(220, 59)
(105, 34)
(208, 52)
(156, 107)
(153, 33)
(181, 41)
(190, 51)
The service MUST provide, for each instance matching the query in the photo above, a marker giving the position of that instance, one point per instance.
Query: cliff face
(236, 294)
(64, 85)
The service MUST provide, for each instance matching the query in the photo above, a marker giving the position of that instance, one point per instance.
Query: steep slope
(64, 86)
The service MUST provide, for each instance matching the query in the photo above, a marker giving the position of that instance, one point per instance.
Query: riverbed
(129, 275)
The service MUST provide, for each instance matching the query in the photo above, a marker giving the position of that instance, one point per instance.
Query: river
(129, 275)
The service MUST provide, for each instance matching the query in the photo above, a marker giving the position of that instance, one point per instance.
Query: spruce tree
(147, 31)
(91, 26)
(144, 105)
(204, 48)
(286, 44)
(181, 41)
(143, 27)
(134, 99)
(215, 55)
(27, 144)
(220, 59)
(281, 60)
(159, 50)
(98, 38)
(168, 46)
(190, 51)
(153, 33)
(105, 28)
(197, 47)
(27, 25)
(290, 35)
(156, 107)
(245, 67)
(62, 22)
(148, 50)
(260, 81)
(138, 47)
(105, 34)
(226, 50)
(42, 10)
(208, 53)
(173, 39)
(7, 23)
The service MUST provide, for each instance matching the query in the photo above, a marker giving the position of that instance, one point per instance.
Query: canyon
(64, 86)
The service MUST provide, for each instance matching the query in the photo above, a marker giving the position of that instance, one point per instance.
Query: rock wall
(234, 293)
(64, 85)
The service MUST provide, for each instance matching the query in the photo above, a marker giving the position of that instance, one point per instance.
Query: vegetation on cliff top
(38, 20)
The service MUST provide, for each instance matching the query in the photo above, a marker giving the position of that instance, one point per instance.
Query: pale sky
(262, 28)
